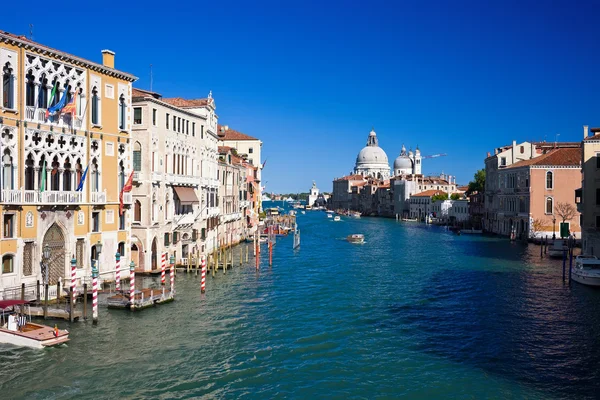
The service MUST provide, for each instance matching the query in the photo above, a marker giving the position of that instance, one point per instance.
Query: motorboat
(356, 238)
(586, 270)
(303, 212)
(337, 218)
(558, 249)
(329, 215)
(15, 329)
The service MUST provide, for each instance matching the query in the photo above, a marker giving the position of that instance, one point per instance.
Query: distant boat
(356, 238)
(303, 212)
(337, 218)
(354, 214)
(329, 215)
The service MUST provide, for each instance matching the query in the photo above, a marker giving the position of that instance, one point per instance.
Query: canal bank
(414, 311)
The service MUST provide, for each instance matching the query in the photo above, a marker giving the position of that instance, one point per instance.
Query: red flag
(127, 188)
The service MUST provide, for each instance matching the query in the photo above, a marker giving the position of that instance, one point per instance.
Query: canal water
(415, 312)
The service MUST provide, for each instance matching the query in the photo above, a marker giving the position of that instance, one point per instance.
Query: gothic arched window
(30, 90)
(122, 106)
(95, 106)
(8, 87)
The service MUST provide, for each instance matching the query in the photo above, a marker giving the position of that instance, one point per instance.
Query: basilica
(375, 189)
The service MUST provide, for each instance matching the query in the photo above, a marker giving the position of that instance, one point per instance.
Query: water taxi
(356, 238)
(16, 330)
(587, 270)
(337, 218)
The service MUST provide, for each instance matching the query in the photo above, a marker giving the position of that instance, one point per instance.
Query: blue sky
(311, 78)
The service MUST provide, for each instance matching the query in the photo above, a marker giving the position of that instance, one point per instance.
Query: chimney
(108, 58)
(586, 131)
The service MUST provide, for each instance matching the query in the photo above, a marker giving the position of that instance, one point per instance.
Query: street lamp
(553, 227)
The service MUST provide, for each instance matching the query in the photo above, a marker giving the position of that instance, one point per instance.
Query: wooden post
(85, 301)
(22, 291)
(58, 292)
(37, 293)
(241, 255)
(71, 306)
(270, 253)
(247, 249)
(570, 265)
(541, 249)
(564, 262)
(46, 302)
(546, 245)
(197, 261)
(95, 292)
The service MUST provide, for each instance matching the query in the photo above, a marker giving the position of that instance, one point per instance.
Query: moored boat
(354, 214)
(558, 249)
(356, 238)
(16, 330)
(337, 218)
(586, 270)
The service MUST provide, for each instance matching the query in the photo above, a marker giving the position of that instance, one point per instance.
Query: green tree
(439, 196)
(478, 182)
(455, 196)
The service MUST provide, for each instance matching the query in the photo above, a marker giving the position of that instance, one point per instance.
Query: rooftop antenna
(556, 139)
(150, 77)
(30, 31)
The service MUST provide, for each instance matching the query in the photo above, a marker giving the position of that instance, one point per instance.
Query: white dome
(402, 162)
(372, 155)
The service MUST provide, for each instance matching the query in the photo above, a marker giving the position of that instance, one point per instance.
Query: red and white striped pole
(163, 265)
(203, 281)
(73, 275)
(172, 275)
(95, 292)
(118, 271)
(131, 284)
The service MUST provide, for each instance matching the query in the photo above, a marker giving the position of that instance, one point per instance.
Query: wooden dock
(53, 313)
(144, 298)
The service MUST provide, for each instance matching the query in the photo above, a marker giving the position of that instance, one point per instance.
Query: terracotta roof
(61, 54)
(231, 134)
(355, 177)
(135, 92)
(429, 193)
(558, 157)
(596, 136)
(183, 103)
(463, 188)
(224, 149)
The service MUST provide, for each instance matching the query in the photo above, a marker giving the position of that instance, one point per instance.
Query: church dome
(372, 153)
(402, 162)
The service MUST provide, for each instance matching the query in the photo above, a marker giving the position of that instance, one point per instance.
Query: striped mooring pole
(118, 271)
(73, 274)
(131, 284)
(172, 275)
(95, 292)
(203, 280)
(162, 268)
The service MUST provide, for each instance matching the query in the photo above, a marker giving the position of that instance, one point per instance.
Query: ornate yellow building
(45, 157)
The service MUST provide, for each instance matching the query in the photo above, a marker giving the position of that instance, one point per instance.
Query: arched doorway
(154, 255)
(55, 239)
(137, 253)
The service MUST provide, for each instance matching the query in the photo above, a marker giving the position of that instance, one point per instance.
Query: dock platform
(53, 313)
(144, 298)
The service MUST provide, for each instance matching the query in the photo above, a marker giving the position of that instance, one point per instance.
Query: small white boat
(329, 215)
(354, 214)
(356, 238)
(337, 218)
(586, 270)
(303, 212)
(558, 249)
(16, 330)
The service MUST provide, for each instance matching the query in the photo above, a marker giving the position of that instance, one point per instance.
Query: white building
(451, 210)
(314, 194)
(408, 163)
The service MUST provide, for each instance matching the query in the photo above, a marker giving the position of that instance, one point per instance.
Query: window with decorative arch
(95, 106)
(137, 156)
(122, 109)
(8, 87)
(137, 211)
(549, 205)
(549, 180)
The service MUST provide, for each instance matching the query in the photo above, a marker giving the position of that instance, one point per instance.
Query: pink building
(532, 193)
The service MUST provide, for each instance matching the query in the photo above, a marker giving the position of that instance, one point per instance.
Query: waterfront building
(233, 195)
(341, 196)
(313, 195)
(174, 197)
(421, 204)
(406, 186)
(451, 211)
(65, 125)
(588, 195)
(372, 160)
(476, 209)
(408, 163)
(247, 147)
(530, 194)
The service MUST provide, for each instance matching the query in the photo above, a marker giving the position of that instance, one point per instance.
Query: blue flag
(58, 106)
(80, 186)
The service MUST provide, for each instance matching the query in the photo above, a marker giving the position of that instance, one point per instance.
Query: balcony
(21, 196)
(99, 197)
(127, 198)
(184, 219)
(175, 179)
(212, 212)
(137, 176)
(157, 176)
(34, 114)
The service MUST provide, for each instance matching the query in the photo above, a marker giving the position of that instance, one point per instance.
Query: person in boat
(21, 321)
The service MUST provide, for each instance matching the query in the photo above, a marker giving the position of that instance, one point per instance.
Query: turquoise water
(415, 312)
